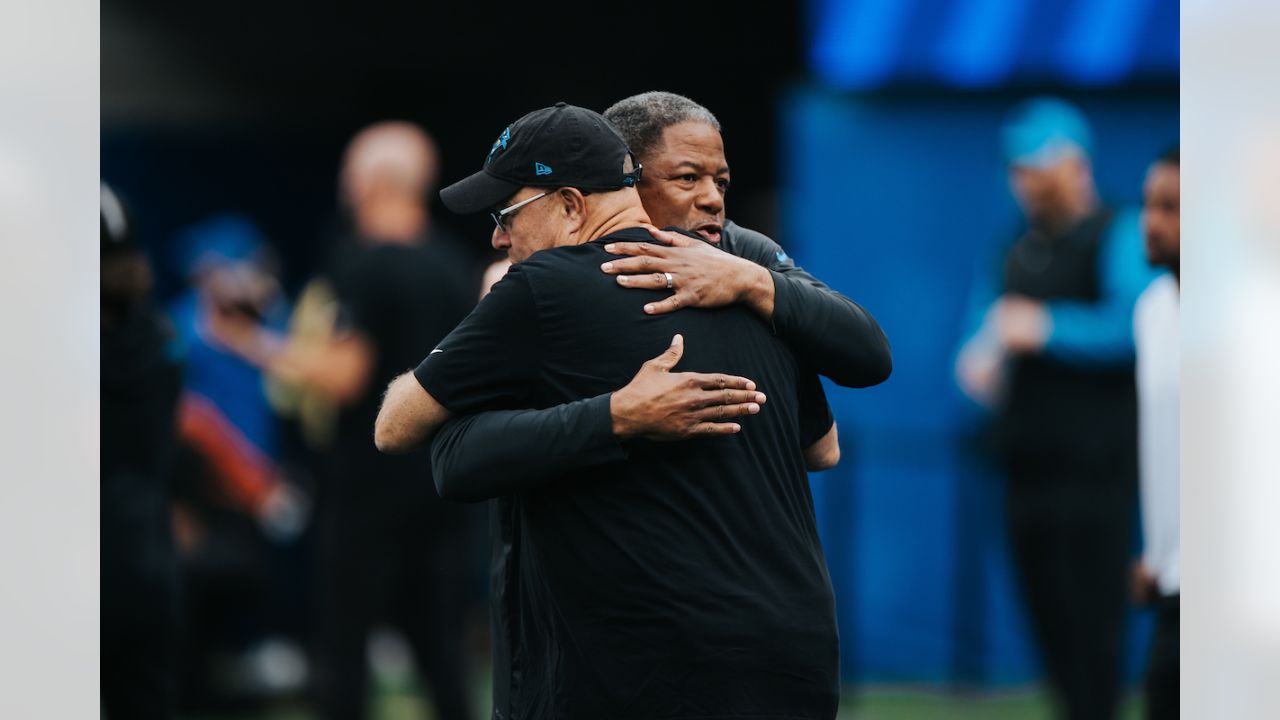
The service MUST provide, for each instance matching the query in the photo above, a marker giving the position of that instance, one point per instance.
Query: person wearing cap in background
(141, 376)
(224, 415)
(1157, 581)
(1053, 355)
(684, 185)
(665, 579)
(236, 510)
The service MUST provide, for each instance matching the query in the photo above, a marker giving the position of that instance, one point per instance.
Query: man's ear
(572, 201)
(573, 204)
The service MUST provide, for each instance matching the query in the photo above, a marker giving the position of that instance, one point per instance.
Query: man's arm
(488, 361)
(817, 425)
(826, 330)
(824, 454)
(482, 456)
(1092, 333)
(1101, 332)
(409, 416)
(338, 367)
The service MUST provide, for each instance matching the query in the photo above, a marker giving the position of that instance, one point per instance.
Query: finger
(667, 237)
(641, 264)
(720, 413)
(649, 281)
(633, 248)
(671, 304)
(714, 428)
(726, 397)
(718, 381)
(671, 355)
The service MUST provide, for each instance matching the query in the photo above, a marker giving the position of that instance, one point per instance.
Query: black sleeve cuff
(601, 443)
(783, 303)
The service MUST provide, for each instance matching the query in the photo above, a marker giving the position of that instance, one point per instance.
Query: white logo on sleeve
(433, 352)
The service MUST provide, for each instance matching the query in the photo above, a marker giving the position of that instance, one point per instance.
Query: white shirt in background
(1155, 326)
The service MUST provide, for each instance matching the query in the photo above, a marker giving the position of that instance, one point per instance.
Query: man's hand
(1022, 324)
(980, 367)
(701, 275)
(243, 336)
(661, 405)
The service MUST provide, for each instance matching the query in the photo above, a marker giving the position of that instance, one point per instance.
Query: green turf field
(404, 703)
(897, 704)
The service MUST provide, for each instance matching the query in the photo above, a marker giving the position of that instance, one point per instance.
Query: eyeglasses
(503, 216)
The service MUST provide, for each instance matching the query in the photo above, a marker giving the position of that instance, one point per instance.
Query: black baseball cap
(559, 146)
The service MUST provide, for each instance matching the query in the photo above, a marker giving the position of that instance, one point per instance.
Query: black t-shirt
(687, 581)
(403, 299)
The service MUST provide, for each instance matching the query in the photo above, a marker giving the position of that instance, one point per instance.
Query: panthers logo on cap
(499, 144)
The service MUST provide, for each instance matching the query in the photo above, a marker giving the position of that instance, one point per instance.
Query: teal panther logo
(499, 144)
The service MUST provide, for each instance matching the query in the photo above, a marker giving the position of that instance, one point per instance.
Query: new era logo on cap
(541, 169)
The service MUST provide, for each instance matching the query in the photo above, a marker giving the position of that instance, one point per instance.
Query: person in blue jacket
(1052, 354)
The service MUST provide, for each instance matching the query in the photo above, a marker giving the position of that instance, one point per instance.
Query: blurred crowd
(254, 540)
(258, 550)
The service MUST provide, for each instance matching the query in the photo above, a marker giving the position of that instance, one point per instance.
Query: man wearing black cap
(680, 579)
(684, 185)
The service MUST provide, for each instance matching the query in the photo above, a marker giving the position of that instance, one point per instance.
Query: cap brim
(477, 193)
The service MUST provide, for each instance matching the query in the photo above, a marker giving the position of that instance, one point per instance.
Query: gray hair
(641, 119)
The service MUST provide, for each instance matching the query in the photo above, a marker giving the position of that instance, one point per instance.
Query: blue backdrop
(895, 201)
(861, 44)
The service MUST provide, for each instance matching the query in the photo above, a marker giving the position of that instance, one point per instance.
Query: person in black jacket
(140, 381)
(683, 579)
(684, 184)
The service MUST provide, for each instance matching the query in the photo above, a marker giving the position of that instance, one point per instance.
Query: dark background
(246, 106)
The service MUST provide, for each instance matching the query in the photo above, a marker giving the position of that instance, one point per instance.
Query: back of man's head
(391, 158)
(641, 119)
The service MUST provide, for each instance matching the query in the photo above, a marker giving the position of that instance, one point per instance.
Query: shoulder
(583, 256)
(745, 242)
(550, 267)
(1157, 301)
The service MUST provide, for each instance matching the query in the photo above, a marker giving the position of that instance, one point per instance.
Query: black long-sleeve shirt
(688, 581)
(482, 456)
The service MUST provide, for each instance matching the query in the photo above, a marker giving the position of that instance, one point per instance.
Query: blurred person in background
(234, 508)
(141, 377)
(1054, 356)
(389, 549)
(1155, 325)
